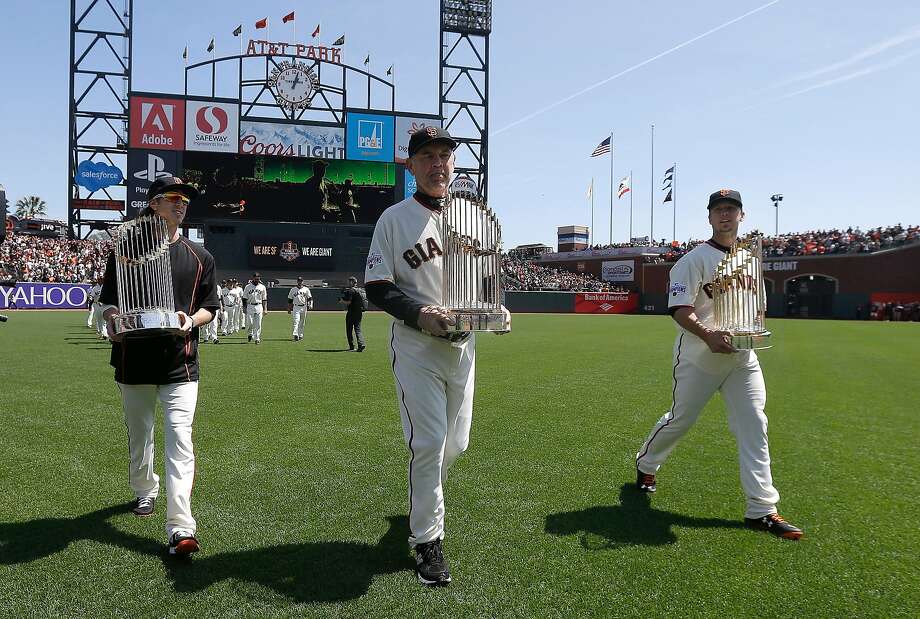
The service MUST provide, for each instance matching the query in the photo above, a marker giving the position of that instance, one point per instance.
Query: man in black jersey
(165, 368)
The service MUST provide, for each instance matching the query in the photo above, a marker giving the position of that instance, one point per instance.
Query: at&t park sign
(313, 52)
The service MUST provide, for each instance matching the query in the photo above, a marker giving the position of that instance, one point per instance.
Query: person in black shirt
(165, 368)
(356, 301)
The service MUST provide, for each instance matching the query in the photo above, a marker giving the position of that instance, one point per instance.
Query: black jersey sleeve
(210, 299)
(109, 294)
(388, 297)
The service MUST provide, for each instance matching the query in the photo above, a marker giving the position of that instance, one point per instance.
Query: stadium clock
(293, 84)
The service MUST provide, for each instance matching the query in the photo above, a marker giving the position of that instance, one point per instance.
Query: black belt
(251, 303)
(299, 304)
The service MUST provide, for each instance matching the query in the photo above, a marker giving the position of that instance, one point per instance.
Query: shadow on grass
(634, 522)
(305, 573)
(22, 542)
(328, 350)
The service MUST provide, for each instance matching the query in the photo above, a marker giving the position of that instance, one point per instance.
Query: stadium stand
(36, 259)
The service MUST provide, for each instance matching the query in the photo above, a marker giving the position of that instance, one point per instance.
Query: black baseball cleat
(183, 543)
(361, 348)
(143, 505)
(775, 524)
(249, 337)
(430, 564)
(645, 482)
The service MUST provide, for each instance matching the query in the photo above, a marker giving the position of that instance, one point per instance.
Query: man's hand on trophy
(110, 330)
(185, 322)
(720, 342)
(435, 320)
(507, 321)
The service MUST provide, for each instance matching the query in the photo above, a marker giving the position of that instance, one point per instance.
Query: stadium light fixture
(777, 198)
(467, 16)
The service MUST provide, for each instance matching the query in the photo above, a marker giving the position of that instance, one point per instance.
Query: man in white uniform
(227, 307)
(257, 305)
(706, 362)
(299, 301)
(236, 312)
(245, 297)
(434, 373)
(91, 296)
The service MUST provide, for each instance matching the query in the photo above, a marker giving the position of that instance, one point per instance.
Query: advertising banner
(29, 295)
(91, 204)
(144, 167)
(405, 127)
(96, 175)
(618, 271)
(212, 126)
(293, 253)
(606, 302)
(157, 123)
(286, 140)
(369, 137)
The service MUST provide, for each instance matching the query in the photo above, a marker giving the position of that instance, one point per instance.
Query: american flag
(602, 148)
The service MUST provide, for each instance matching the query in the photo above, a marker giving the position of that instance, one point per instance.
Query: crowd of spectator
(849, 241)
(39, 259)
(524, 275)
(895, 312)
(812, 243)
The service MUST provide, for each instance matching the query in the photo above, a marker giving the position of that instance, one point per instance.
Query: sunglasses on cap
(173, 197)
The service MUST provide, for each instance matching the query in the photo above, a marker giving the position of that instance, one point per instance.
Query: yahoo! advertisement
(29, 295)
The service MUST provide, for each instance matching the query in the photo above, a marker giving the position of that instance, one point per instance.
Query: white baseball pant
(299, 315)
(254, 318)
(178, 401)
(99, 318)
(434, 389)
(742, 387)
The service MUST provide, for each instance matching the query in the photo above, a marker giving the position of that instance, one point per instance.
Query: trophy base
(147, 324)
(751, 341)
(467, 320)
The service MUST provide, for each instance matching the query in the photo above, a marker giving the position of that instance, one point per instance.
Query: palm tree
(31, 207)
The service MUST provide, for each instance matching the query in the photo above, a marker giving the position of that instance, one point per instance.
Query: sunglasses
(174, 197)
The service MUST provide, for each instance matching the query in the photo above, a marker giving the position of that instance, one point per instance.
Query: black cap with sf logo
(724, 195)
(426, 135)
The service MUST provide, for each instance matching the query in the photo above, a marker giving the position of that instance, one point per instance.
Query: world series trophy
(472, 239)
(739, 297)
(144, 276)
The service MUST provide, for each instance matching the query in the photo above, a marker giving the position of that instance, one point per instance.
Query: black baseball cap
(725, 195)
(256, 276)
(428, 135)
(171, 183)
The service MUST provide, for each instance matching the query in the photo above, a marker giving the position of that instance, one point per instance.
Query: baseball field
(300, 491)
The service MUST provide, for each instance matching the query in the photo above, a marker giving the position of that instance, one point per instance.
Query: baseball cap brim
(714, 203)
(172, 185)
(449, 141)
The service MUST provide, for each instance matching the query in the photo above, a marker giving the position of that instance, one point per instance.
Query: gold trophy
(144, 276)
(739, 297)
(472, 240)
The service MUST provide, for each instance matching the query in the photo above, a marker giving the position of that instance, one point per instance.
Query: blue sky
(815, 100)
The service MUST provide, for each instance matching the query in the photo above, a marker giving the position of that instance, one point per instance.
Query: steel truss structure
(100, 80)
(464, 84)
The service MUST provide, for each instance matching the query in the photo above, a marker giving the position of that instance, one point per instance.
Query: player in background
(355, 301)
(706, 362)
(299, 301)
(257, 305)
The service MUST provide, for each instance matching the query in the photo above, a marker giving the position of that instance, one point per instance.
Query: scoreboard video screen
(294, 189)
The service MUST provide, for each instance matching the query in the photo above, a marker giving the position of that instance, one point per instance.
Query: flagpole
(630, 207)
(651, 201)
(674, 203)
(591, 237)
(611, 189)
(241, 42)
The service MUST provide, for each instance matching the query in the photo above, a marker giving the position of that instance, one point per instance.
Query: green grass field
(301, 499)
